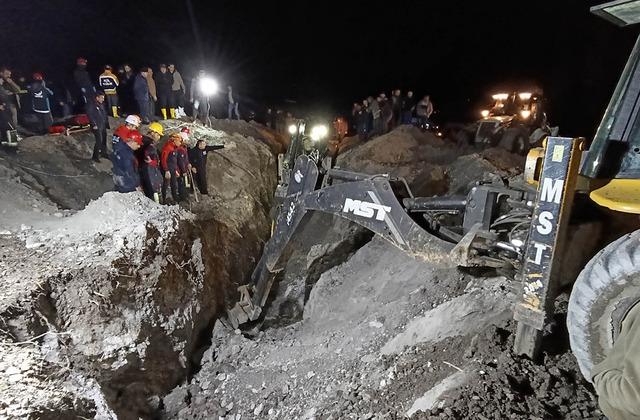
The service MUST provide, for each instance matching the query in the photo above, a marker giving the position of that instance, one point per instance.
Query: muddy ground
(110, 304)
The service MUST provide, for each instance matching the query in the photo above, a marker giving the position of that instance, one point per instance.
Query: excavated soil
(106, 320)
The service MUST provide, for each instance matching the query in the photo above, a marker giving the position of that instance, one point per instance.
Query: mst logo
(365, 209)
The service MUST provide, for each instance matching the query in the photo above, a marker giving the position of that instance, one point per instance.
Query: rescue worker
(198, 159)
(178, 90)
(41, 97)
(376, 116)
(83, 80)
(99, 124)
(169, 165)
(150, 163)
(617, 378)
(424, 109)
(125, 163)
(184, 182)
(125, 89)
(164, 81)
(109, 83)
(13, 103)
(131, 123)
(341, 127)
(141, 94)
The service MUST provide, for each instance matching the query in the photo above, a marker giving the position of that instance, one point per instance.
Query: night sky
(325, 55)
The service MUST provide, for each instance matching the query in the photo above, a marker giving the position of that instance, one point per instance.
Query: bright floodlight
(208, 86)
(485, 113)
(319, 132)
(525, 113)
(500, 96)
(525, 96)
(293, 129)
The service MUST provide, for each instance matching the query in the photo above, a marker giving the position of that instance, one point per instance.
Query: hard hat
(38, 76)
(81, 61)
(135, 136)
(133, 120)
(156, 127)
(185, 130)
(174, 137)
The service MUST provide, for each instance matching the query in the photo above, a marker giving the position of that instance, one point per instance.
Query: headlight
(525, 96)
(208, 86)
(525, 114)
(500, 96)
(293, 129)
(484, 113)
(319, 132)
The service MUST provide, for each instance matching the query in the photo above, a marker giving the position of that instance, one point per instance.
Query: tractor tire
(515, 141)
(606, 289)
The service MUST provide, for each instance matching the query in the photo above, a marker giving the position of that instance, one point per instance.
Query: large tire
(515, 140)
(603, 294)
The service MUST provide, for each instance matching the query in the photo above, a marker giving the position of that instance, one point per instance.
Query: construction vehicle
(515, 121)
(531, 228)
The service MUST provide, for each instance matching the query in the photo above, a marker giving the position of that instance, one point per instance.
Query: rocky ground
(110, 304)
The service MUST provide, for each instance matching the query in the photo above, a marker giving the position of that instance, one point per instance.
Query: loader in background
(534, 229)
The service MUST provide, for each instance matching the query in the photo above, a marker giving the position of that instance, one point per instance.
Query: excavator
(540, 228)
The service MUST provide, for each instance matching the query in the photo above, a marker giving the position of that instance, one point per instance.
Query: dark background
(324, 55)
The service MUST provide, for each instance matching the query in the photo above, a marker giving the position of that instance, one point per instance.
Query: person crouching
(125, 163)
(150, 163)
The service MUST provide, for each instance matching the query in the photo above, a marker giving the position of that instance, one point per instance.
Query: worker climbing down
(617, 378)
(131, 123)
(184, 183)
(198, 159)
(169, 164)
(109, 84)
(150, 163)
(125, 163)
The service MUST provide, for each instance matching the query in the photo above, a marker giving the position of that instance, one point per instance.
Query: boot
(172, 111)
(114, 111)
(181, 112)
(164, 113)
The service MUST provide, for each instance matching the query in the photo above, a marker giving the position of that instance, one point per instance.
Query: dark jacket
(164, 81)
(362, 121)
(408, 104)
(41, 96)
(140, 88)
(169, 158)
(183, 159)
(125, 168)
(198, 157)
(83, 80)
(97, 115)
(150, 167)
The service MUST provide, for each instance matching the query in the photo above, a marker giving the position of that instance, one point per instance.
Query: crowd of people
(151, 95)
(139, 165)
(375, 116)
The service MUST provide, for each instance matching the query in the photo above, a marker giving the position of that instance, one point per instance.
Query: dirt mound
(117, 300)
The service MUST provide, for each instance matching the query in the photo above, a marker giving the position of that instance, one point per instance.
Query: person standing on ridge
(164, 81)
(41, 97)
(99, 124)
(178, 90)
(83, 80)
(109, 83)
(141, 94)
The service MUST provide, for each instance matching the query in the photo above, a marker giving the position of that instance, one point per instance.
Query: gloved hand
(167, 175)
(194, 170)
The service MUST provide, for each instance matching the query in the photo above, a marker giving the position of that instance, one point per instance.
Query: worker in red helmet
(83, 80)
(169, 163)
(184, 184)
(41, 97)
(126, 177)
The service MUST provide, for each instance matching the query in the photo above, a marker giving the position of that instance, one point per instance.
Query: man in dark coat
(408, 107)
(198, 159)
(164, 81)
(83, 80)
(125, 163)
(99, 124)
(141, 94)
(41, 97)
